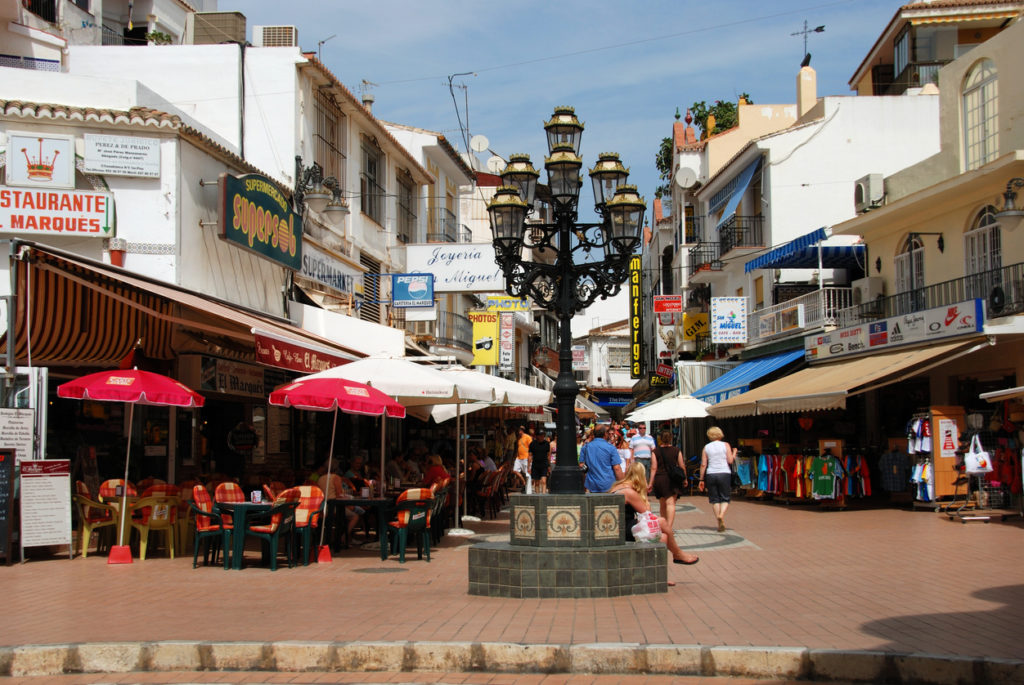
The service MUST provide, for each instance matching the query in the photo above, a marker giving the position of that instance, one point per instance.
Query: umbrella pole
(383, 436)
(330, 458)
(459, 451)
(127, 457)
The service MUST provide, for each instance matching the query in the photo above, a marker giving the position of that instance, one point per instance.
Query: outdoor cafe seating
(412, 519)
(210, 529)
(93, 516)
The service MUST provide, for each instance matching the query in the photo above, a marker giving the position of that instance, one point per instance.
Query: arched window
(983, 253)
(981, 115)
(910, 274)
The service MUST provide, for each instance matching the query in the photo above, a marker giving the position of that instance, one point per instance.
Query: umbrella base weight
(120, 554)
(324, 555)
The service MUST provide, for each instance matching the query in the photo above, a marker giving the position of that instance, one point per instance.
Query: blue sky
(625, 67)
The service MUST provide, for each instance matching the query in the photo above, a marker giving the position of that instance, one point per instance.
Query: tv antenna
(806, 31)
(365, 86)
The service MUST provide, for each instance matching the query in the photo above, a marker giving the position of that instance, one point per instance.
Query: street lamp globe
(564, 180)
(564, 127)
(507, 212)
(607, 175)
(520, 174)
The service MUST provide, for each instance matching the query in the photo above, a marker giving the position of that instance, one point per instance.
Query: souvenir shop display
(933, 437)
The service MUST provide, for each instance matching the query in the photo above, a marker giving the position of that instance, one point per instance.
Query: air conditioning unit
(868, 193)
(275, 37)
(868, 289)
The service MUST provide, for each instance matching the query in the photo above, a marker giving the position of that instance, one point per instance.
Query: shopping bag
(646, 528)
(977, 460)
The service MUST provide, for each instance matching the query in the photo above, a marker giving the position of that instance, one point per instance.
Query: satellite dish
(685, 177)
(495, 164)
(479, 143)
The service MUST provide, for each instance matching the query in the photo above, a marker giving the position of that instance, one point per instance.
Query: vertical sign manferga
(635, 337)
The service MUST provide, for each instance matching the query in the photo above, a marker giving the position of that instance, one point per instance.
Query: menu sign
(962, 318)
(507, 342)
(17, 432)
(6, 501)
(46, 502)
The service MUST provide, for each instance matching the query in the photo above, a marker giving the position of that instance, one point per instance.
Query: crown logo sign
(39, 169)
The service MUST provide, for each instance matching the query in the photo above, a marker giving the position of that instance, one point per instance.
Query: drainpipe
(12, 301)
(241, 100)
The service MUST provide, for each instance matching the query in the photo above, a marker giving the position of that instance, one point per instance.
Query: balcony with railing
(818, 309)
(705, 257)
(1002, 289)
(689, 232)
(444, 228)
(741, 233)
(449, 330)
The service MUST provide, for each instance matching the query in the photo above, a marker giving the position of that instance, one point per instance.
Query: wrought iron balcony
(705, 257)
(816, 309)
(449, 330)
(739, 232)
(443, 228)
(1002, 289)
(690, 231)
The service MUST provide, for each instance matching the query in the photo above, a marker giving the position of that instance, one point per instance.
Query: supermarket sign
(930, 325)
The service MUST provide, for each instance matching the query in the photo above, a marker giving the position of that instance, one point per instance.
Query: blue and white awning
(739, 186)
(737, 381)
(804, 253)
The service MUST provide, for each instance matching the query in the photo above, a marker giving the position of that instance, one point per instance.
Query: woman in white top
(716, 462)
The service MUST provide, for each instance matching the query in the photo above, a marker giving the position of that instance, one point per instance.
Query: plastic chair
(413, 517)
(229, 492)
(209, 526)
(155, 514)
(438, 517)
(185, 523)
(279, 519)
(108, 489)
(309, 516)
(92, 515)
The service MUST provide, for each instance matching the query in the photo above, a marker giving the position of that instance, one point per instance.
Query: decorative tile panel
(606, 523)
(524, 523)
(564, 523)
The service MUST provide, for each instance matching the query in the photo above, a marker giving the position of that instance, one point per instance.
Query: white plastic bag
(646, 528)
(977, 460)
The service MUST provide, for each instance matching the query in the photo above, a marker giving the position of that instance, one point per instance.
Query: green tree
(726, 114)
(663, 161)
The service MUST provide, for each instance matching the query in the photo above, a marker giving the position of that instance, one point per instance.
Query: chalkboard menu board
(6, 501)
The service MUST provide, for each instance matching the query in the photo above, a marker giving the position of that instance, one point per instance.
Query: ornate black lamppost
(591, 259)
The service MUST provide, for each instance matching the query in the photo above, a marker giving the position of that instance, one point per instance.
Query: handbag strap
(976, 444)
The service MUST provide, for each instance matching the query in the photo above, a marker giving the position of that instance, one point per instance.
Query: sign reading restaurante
(255, 215)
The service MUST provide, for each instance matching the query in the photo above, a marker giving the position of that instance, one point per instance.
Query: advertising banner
(485, 338)
(412, 290)
(122, 155)
(457, 267)
(694, 325)
(579, 358)
(507, 339)
(255, 215)
(506, 303)
(635, 309)
(287, 355)
(668, 304)
(729, 320)
(962, 318)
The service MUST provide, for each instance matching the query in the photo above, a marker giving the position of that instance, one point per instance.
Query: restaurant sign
(255, 215)
(729, 320)
(962, 318)
(290, 355)
(76, 213)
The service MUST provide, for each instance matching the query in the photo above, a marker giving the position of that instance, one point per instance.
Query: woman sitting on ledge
(633, 486)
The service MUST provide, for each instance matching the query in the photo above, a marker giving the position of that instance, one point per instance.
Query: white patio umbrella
(672, 407)
(410, 384)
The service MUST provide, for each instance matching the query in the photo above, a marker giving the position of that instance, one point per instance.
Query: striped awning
(78, 312)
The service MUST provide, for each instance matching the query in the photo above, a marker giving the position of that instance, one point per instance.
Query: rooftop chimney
(806, 90)
(368, 100)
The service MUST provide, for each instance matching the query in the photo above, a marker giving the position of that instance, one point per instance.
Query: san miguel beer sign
(635, 336)
(255, 215)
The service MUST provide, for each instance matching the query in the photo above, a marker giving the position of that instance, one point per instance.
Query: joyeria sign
(255, 215)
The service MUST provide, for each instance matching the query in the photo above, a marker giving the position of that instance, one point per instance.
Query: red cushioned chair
(93, 515)
(279, 519)
(413, 517)
(210, 526)
(229, 492)
(309, 516)
(108, 489)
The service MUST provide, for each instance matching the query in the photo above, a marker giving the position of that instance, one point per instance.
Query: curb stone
(508, 657)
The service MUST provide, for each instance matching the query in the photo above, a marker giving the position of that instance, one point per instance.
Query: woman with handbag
(633, 486)
(716, 460)
(668, 473)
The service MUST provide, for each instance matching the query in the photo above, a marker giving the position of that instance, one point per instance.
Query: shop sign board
(636, 340)
(507, 341)
(40, 160)
(232, 378)
(506, 303)
(122, 155)
(729, 320)
(412, 290)
(45, 502)
(38, 212)
(694, 325)
(656, 381)
(321, 267)
(668, 304)
(289, 355)
(256, 216)
(664, 370)
(579, 358)
(939, 323)
(485, 338)
(6, 501)
(457, 267)
(17, 432)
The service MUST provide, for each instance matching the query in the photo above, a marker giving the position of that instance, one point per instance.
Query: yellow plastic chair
(156, 513)
(93, 515)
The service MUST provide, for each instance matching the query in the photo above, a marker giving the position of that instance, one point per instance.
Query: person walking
(641, 447)
(522, 464)
(663, 459)
(602, 461)
(633, 486)
(540, 448)
(716, 460)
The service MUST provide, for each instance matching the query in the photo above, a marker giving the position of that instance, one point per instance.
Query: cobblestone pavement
(889, 580)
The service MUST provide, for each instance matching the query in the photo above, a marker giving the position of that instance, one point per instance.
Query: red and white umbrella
(134, 387)
(334, 394)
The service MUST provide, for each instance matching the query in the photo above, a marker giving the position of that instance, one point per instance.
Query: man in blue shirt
(603, 463)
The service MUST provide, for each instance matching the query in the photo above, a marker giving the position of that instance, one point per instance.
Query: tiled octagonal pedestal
(567, 546)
